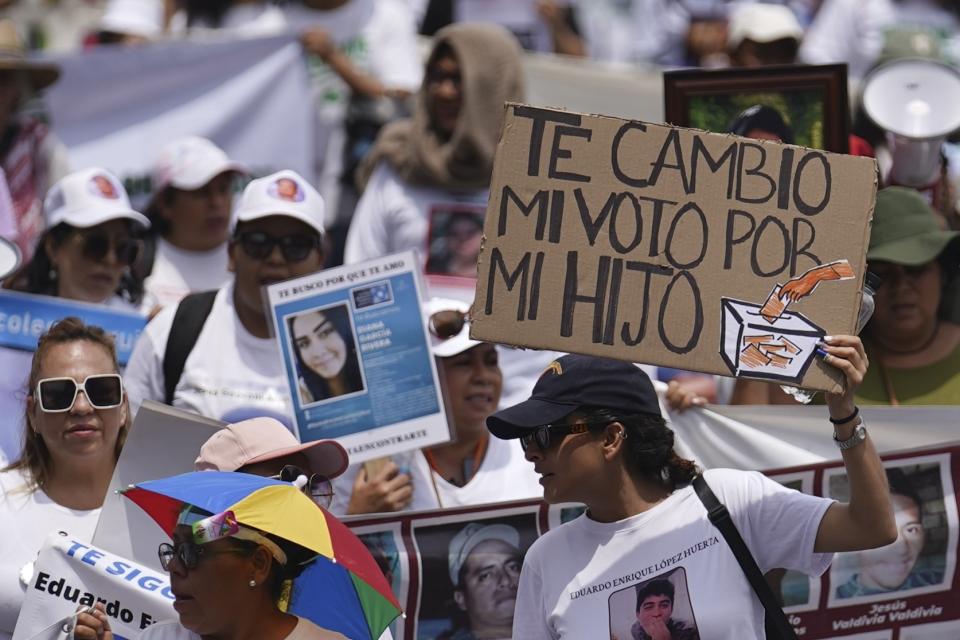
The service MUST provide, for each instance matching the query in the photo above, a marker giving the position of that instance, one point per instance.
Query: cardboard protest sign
(357, 356)
(70, 573)
(671, 246)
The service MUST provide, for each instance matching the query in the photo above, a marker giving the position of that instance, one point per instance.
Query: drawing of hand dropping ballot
(767, 341)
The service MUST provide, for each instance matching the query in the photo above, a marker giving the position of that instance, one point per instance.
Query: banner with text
(116, 107)
(671, 246)
(24, 317)
(357, 356)
(69, 574)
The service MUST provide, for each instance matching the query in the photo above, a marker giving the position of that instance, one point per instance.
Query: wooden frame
(693, 97)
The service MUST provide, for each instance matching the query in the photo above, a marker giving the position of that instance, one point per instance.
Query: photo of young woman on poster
(322, 342)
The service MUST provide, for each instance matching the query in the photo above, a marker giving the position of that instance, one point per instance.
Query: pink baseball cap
(261, 439)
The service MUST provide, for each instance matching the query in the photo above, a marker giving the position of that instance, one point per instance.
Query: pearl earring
(252, 583)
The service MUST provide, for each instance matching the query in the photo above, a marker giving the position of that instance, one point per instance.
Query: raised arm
(867, 520)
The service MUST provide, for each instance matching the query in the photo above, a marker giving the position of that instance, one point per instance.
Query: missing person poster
(671, 246)
(357, 357)
(908, 587)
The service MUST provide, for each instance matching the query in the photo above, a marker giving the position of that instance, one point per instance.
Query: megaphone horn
(915, 101)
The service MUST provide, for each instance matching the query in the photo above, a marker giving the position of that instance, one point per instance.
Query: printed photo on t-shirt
(324, 346)
(454, 240)
(470, 574)
(923, 558)
(655, 608)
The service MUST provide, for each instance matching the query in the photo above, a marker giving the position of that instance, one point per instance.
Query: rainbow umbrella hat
(342, 590)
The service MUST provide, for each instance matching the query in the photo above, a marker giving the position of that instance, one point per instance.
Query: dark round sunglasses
(294, 247)
(546, 435)
(318, 487)
(188, 553)
(57, 395)
(97, 244)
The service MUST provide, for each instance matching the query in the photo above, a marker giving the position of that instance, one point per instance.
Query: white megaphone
(917, 102)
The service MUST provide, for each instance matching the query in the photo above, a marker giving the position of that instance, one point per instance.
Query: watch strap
(859, 435)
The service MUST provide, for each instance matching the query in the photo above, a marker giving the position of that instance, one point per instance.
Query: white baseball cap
(762, 23)
(284, 193)
(134, 17)
(446, 347)
(87, 198)
(472, 535)
(261, 439)
(191, 162)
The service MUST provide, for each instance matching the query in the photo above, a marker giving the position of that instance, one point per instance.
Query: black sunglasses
(188, 553)
(318, 487)
(96, 246)
(546, 434)
(57, 395)
(294, 247)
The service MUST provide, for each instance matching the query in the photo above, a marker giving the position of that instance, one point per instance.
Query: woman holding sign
(75, 424)
(594, 433)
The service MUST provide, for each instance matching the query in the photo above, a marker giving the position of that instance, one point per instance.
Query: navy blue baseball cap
(575, 381)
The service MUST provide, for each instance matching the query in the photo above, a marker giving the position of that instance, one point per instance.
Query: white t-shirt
(393, 215)
(177, 272)
(27, 519)
(504, 474)
(380, 39)
(229, 375)
(576, 574)
(171, 630)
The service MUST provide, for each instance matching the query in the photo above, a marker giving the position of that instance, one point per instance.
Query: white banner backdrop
(69, 574)
(773, 437)
(117, 106)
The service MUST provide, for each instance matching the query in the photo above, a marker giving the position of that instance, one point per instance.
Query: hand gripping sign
(659, 244)
(70, 574)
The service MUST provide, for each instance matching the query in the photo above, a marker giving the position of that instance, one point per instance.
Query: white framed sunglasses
(58, 395)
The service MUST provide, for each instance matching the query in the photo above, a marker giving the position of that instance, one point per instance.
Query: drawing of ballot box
(753, 347)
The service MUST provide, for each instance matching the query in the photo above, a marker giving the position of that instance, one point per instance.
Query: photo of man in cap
(471, 572)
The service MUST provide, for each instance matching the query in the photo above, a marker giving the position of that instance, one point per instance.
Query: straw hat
(13, 58)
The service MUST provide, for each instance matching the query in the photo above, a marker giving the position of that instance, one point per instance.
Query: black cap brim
(514, 421)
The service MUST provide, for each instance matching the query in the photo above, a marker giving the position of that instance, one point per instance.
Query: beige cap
(261, 439)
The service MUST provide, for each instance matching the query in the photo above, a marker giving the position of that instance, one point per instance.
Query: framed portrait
(923, 558)
(469, 572)
(323, 345)
(796, 104)
(454, 239)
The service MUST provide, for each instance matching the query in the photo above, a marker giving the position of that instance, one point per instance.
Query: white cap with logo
(191, 162)
(87, 198)
(284, 193)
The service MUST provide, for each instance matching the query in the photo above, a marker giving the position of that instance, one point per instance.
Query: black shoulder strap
(720, 517)
(188, 321)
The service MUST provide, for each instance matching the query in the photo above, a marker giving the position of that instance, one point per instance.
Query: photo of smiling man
(323, 344)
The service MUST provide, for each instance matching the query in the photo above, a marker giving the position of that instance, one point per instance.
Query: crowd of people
(194, 263)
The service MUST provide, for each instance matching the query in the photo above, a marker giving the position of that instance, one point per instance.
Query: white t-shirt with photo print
(570, 574)
(229, 375)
